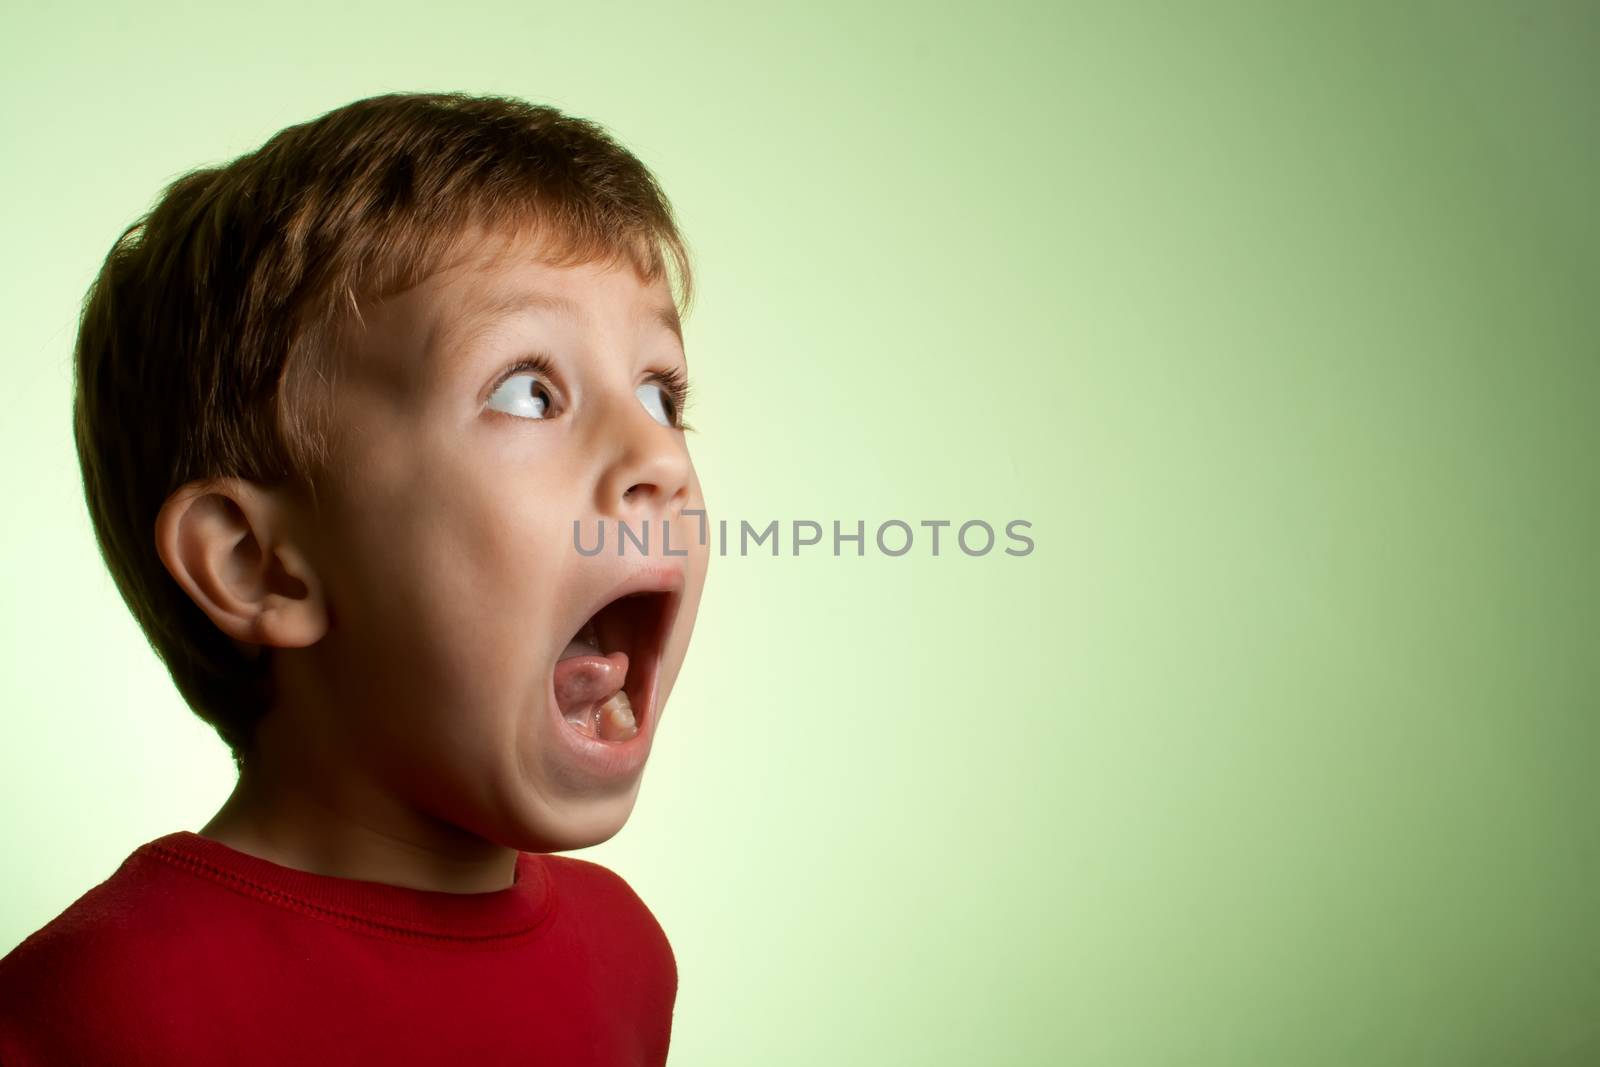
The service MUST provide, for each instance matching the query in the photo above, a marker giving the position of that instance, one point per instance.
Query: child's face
(446, 549)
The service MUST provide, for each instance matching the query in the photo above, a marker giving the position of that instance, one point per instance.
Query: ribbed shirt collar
(391, 909)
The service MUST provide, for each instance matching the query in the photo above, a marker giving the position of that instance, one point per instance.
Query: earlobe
(226, 543)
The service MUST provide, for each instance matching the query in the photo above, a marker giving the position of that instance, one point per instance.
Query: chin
(546, 824)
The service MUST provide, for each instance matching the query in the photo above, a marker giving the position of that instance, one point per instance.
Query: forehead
(497, 279)
(581, 296)
(493, 286)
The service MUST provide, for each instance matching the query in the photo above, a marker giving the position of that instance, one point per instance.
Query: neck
(339, 826)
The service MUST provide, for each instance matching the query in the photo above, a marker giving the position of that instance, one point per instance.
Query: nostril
(669, 498)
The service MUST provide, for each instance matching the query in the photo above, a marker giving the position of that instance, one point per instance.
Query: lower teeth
(614, 719)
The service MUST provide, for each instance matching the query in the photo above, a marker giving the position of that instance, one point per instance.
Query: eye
(524, 394)
(658, 402)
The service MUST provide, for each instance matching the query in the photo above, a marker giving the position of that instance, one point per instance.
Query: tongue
(590, 695)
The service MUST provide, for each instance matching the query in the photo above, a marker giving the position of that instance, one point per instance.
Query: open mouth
(605, 678)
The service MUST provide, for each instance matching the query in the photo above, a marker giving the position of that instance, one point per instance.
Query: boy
(343, 406)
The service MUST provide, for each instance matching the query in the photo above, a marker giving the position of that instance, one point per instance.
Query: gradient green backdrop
(1278, 323)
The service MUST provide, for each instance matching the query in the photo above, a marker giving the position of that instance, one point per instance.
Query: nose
(649, 475)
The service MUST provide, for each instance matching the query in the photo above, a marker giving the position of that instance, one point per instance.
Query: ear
(229, 543)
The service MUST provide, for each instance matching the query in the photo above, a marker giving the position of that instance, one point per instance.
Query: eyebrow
(667, 315)
(466, 329)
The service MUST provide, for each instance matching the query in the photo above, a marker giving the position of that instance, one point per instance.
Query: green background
(1278, 322)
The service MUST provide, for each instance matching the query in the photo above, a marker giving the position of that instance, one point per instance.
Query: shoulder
(116, 947)
(601, 919)
(72, 959)
(602, 901)
(573, 870)
(91, 933)
(593, 883)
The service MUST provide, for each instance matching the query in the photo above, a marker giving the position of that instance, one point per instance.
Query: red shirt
(194, 952)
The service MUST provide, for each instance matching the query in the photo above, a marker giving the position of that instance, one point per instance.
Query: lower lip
(608, 759)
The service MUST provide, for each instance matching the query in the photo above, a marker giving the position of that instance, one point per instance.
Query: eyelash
(675, 381)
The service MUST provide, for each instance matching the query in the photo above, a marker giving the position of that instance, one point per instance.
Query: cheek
(696, 563)
(442, 593)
